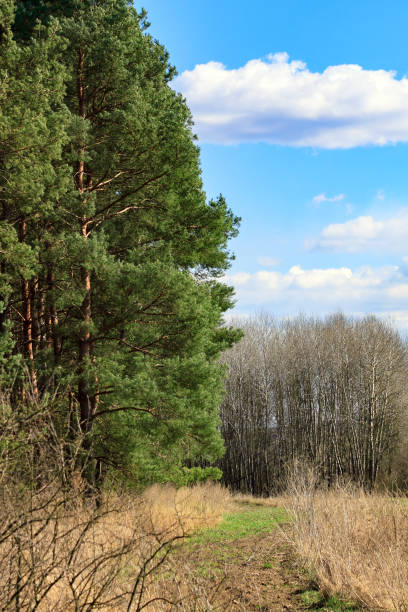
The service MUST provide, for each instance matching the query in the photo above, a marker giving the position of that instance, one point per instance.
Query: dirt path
(254, 572)
(247, 564)
(247, 571)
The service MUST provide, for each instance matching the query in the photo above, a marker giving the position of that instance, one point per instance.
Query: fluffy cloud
(382, 290)
(365, 234)
(331, 282)
(279, 101)
(321, 197)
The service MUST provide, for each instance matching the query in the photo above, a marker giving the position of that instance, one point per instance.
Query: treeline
(110, 308)
(331, 393)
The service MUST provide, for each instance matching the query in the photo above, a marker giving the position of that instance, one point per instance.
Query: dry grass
(267, 502)
(117, 557)
(356, 543)
(191, 507)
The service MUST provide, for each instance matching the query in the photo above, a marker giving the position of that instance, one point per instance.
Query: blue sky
(301, 109)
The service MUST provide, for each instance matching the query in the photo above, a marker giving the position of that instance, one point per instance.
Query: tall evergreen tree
(32, 135)
(127, 303)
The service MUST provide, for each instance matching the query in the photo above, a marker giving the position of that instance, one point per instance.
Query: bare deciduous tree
(330, 391)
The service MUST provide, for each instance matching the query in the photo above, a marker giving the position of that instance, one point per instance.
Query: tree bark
(28, 345)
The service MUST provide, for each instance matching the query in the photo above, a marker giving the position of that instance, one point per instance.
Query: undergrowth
(356, 543)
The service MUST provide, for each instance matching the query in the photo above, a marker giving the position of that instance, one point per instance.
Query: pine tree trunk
(54, 341)
(85, 342)
(3, 310)
(28, 345)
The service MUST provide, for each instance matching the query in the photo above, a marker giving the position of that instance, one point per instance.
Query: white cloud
(317, 283)
(269, 262)
(382, 290)
(399, 292)
(321, 197)
(398, 318)
(365, 234)
(279, 101)
(240, 278)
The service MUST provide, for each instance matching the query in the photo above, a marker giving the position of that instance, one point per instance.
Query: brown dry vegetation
(60, 558)
(133, 554)
(356, 543)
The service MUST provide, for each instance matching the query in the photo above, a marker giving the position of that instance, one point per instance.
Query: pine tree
(132, 306)
(32, 135)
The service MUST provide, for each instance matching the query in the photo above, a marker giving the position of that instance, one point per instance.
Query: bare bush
(63, 554)
(63, 549)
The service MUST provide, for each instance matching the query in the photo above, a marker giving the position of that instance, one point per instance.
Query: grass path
(247, 564)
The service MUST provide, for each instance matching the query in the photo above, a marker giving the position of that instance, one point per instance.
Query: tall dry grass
(64, 550)
(356, 543)
(188, 507)
(121, 556)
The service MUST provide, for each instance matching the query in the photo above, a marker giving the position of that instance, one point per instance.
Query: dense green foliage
(110, 251)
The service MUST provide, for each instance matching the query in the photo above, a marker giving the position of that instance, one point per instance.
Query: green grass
(315, 600)
(255, 521)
